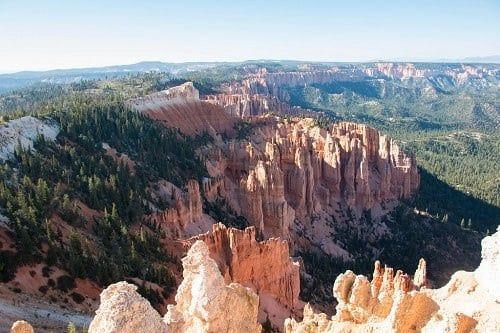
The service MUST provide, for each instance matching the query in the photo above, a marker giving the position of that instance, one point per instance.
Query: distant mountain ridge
(17, 80)
(13, 81)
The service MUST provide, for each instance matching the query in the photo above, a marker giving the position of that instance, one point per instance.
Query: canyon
(291, 168)
(295, 187)
(262, 91)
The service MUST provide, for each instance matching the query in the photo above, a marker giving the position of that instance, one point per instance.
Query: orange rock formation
(291, 168)
(395, 303)
(264, 266)
(186, 217)
(180, 107)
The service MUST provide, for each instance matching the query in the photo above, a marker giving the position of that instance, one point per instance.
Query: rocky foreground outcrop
(123, 310)
(264, 266)
(395, 303)
(204, 303)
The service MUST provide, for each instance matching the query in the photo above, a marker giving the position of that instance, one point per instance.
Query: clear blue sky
(44, 34)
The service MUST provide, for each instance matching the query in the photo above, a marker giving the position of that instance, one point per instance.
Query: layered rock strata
(262, 92)
(264, 266)
(395, 303)
(180, 107)
(292, 169)
(247, 105)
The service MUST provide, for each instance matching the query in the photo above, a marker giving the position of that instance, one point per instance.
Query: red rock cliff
(290, 168)
(264, 266)
(180, 107)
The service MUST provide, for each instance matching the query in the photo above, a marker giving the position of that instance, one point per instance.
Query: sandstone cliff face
(394, 70)
(395, 303)
(204, 304)
(288, 169)
(247, 105)
(264, 266)
(292, 169)
(180, 107)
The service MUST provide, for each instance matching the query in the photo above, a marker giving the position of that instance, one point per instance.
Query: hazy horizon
(48, 35)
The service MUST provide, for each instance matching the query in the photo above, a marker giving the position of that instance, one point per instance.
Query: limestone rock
(264, 266)
(180, 107)
(123, 310)
(488, 272)
(206, 304)
(420, 278)
(21, 326)
(394, 303)
(291, 169)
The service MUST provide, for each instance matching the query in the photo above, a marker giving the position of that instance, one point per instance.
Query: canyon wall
(185, 217)
(247, 105)
(180, 107)
(286, 169)
(264, 266)
(292, 169)
(262, 92)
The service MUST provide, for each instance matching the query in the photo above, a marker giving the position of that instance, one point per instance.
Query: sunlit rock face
(396, 303)
(21, 326)
(204, 303)
(264, 266)
(123, 310)
(292, 169)
(180, 107)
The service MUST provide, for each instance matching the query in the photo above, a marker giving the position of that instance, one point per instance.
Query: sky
(44, 34)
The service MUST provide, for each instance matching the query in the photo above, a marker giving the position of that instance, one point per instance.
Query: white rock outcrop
(123, 310)
(24, 131)
(204, 304)
(488, 272)
(468, 303)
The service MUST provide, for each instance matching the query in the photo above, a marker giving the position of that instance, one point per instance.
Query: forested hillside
(40, 188)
